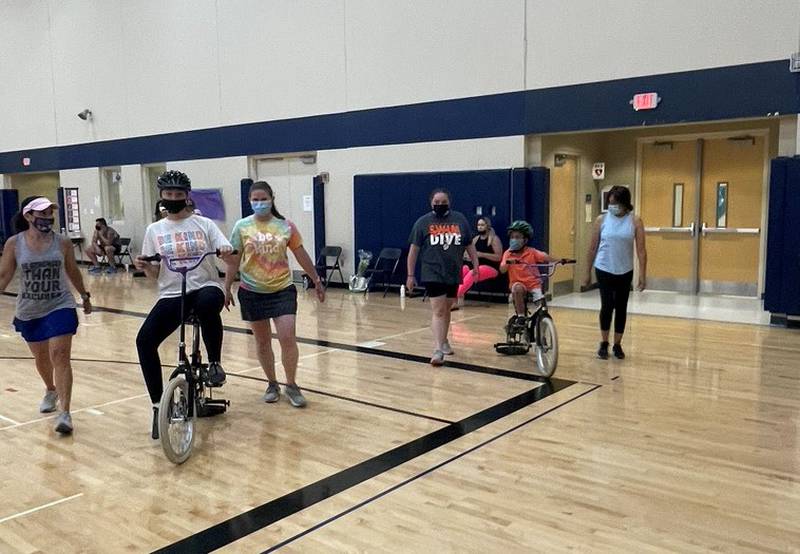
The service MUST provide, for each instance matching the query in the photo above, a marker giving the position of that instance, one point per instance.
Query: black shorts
(440, 289)
(258, 306)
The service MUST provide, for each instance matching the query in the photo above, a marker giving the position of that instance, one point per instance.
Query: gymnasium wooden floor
(689, 445)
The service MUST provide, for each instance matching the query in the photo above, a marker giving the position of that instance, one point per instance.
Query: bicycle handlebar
(170, 261)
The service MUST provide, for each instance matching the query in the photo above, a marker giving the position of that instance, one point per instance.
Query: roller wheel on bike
(175, 427)
(546, 346)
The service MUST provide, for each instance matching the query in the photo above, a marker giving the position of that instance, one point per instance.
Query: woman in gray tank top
(45, 315)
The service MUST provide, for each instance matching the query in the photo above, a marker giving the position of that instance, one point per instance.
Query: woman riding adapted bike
(180, 235)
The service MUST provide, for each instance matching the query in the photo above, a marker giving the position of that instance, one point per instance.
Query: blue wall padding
(387, 205)
(782, 288)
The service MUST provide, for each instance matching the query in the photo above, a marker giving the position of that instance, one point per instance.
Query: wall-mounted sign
(645, 101)
(599, 171)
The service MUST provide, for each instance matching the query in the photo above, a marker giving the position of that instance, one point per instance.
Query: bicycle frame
(185, 365)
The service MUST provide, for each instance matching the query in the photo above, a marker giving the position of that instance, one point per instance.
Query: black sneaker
(618, 353)
(216, 375)
(154, 434)
(602, 352)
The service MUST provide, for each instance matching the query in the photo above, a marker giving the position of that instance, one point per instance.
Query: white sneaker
(49, 402)
(64, 423)
(447, 350)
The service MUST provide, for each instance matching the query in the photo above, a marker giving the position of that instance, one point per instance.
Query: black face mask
(174, 206)
(44, 224)
(98, 227)
(441, 210)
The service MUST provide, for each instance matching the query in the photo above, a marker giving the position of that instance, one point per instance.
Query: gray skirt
(258, 306)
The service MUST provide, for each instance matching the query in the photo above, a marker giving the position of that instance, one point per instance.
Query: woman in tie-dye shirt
(266, 291)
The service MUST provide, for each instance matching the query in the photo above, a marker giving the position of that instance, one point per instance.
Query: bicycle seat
(192, 319)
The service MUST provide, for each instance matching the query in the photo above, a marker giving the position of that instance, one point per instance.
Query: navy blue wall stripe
(751, 90)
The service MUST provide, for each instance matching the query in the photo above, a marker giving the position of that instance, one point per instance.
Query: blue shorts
(55, 324)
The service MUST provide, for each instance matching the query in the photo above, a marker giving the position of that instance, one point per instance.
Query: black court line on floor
(253, 520)
(350, 399)
(315, 391)
(496, 371)
(423, 474)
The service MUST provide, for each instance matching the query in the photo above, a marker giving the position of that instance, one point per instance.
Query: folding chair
(381, 267)
(323, 266)
(125, 251)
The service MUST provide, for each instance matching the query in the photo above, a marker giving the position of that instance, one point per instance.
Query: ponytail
(18, 221)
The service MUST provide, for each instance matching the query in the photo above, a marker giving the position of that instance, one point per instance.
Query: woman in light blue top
(611, 255)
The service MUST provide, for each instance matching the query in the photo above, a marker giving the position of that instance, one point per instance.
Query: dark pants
(162, 321)
(614, 293)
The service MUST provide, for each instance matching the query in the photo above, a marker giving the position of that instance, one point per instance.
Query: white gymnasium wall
(582, 41)
(148, 66)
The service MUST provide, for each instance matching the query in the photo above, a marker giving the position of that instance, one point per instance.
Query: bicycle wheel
(175, 427)
(546, 346)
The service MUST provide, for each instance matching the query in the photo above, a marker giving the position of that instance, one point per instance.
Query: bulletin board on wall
(72, 212)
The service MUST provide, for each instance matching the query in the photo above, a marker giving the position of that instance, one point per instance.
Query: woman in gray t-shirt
(45, 314)
(439, 238)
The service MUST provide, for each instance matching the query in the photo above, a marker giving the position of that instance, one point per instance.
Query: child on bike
(523, 278)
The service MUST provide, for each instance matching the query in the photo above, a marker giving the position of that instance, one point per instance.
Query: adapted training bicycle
(536, 329)
(188, 394)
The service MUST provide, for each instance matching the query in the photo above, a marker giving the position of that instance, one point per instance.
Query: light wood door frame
(576, 159)
(757, 132)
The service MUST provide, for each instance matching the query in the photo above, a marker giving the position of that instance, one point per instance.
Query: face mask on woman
(515, 244)
(441, 210)
(615, 209)
(174, 206)
(44, 224)
(261, 207)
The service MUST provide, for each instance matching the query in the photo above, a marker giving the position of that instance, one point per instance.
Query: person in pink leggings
(490, 250)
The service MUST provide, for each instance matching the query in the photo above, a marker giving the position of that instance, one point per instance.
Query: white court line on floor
(413, 331)
(42, 507)
(305, 357)
(8, 419)
(86, 409)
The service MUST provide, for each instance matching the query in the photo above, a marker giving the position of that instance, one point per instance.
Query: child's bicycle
(535, 329)
(188, 392)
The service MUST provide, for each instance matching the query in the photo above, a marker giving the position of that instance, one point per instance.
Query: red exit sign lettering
(645, 101)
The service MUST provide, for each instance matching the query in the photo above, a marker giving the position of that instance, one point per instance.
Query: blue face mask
(614, 209)
(261, 207)
(515, 244)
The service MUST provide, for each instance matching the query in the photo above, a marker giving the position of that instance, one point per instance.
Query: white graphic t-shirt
(193, 236)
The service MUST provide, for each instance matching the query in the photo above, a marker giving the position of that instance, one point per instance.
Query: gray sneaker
(295, 396)
(49, 402)
(64, 423)
(438, 358)
(447, 350)
(272, 393)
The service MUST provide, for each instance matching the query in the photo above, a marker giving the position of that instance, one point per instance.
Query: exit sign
(645, 101)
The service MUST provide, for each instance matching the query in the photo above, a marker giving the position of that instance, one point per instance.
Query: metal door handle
(730, 230)
(689, 230)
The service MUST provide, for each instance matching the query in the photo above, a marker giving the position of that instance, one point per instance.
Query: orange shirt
(527, 275)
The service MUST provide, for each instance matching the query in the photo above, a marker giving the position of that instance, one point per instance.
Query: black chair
(388, 257)
(124, 251)
(323, 266)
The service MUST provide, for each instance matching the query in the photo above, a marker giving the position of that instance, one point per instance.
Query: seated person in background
(105, 241)
(522, 278)
(490, 250)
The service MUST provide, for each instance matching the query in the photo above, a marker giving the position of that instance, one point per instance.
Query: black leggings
(614, 293)
(162, 321)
